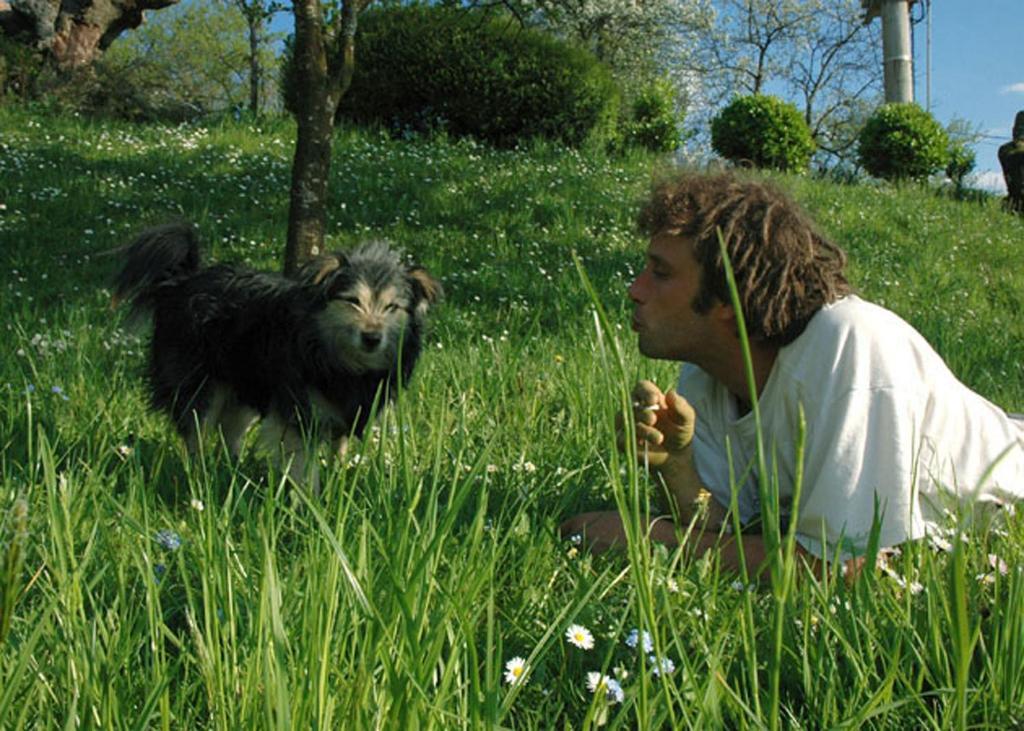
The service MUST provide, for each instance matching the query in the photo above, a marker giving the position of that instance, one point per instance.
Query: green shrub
(20, 67)
(655, 123)
(765, 131)
(433, 68)
(903, 141)
(961, 162)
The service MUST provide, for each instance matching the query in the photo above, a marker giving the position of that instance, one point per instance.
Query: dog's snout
(372, 340)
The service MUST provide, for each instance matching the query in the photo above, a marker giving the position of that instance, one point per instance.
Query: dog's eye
(392, 308)
(354, 301)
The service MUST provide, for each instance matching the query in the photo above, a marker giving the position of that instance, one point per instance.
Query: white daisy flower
(514, 670)
(597, 682)
(580, 636)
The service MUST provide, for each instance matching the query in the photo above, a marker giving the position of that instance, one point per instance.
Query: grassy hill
(154, 591)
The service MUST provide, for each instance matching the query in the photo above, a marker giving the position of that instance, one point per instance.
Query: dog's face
(372, 299)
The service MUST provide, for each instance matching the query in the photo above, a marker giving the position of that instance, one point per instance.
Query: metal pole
(928, 53)
(899, 79)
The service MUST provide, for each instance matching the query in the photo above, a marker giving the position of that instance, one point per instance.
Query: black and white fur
(310, 356)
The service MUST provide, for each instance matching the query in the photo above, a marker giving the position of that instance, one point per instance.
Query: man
(891, 435)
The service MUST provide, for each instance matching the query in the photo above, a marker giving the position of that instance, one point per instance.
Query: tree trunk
(321, 81)
(73, 33)
(255, 68)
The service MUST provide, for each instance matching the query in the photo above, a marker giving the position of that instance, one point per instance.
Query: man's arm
(665, 425)
(688, 493)
(604, 530)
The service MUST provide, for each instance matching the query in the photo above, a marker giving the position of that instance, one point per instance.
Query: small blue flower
(168, 539)
(664, 665)
(60, 392)
(615, 692)
(634, 638)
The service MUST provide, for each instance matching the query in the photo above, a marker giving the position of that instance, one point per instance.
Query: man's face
(663, 296)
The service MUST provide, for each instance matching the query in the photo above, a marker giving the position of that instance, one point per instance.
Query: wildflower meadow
(427, 585)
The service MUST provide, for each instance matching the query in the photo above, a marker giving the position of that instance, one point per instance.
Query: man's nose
(634, 290)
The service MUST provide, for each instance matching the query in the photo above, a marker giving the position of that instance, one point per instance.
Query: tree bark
(73, 33)
(255, 67)
(322, 79)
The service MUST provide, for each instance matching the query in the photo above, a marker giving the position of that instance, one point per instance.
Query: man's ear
(725, 316)
(724, 313)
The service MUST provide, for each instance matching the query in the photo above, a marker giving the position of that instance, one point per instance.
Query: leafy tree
(962, 160)
(425, 68)
(834, 75)
(749, 42)
(962, 134)
(638, 39)
(257, 15)
(656, 121)
(193, 56)
(817, 53)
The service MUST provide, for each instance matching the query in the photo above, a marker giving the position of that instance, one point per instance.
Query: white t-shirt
(886, 420)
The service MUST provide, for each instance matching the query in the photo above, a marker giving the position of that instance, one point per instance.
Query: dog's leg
(293, 453)
(235, 420)
(201, 419)
(301, 457)
(190, 434)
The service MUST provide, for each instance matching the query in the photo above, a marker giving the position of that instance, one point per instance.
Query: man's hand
(664, 424)
(602, 530)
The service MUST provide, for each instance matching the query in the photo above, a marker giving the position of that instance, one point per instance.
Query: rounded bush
(903, 141)
(765, 131)
(655, 124)
(960, 163)
(421, 68)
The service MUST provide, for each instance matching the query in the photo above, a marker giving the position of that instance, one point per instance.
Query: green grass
(431, 559)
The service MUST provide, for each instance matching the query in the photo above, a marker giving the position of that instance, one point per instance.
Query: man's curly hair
(785, 269)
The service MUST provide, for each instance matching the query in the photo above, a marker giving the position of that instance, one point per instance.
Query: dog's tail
(155, 256)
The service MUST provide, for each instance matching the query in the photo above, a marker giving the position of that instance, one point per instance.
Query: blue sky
(977, 71)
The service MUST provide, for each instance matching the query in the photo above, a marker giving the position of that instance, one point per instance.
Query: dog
(310, 356)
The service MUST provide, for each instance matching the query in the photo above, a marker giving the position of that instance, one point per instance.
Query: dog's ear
(319, 268)
(426, 290)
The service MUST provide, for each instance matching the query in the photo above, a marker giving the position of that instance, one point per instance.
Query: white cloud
(990, 180)
(1017, 88)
